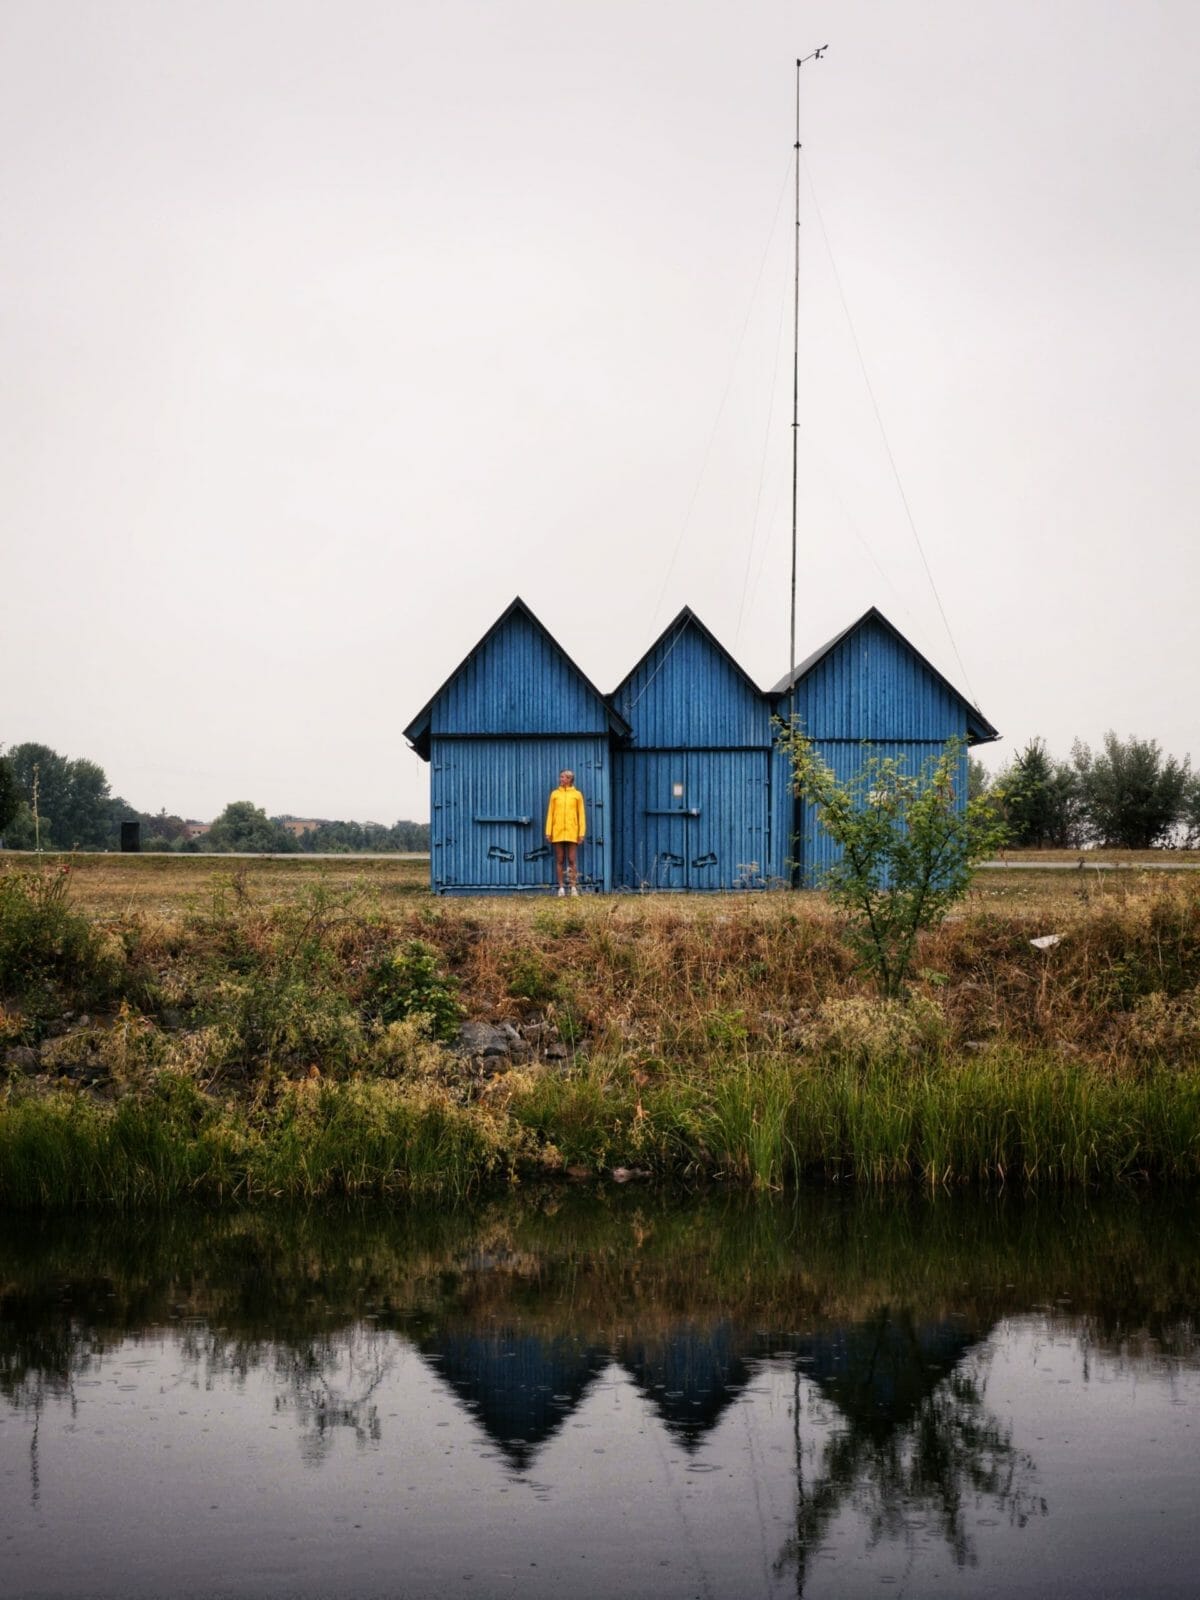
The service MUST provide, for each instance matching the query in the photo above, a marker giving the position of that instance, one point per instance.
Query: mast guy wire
(837, 278)
(691, 506)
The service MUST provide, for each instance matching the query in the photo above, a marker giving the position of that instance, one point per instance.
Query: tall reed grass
(762, 1124)
(336, 1139)
(768, 1121)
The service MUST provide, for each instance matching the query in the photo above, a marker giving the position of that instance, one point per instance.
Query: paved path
(1095, 866)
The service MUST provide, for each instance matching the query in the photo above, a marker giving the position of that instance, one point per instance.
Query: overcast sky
(325, 329)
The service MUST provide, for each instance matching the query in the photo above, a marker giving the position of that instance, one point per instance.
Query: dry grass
(111, 885)
(726, 1035)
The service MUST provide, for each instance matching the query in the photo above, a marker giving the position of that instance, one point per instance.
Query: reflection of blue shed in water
(505, 723)
(691, 781)
(520, 1387)
(690, 1375)
(867, 685)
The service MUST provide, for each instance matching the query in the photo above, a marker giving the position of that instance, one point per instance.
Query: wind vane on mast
(814, 55)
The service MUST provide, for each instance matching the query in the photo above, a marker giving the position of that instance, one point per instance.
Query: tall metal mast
(815, 55)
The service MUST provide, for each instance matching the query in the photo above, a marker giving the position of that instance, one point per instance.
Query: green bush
(407, 982)
(907, 847)
(51, 955)
(530, 977)
(280, 1018)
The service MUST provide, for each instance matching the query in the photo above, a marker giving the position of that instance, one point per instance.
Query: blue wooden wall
(872, 685)
(691, 783)
(518, 680)
(688, 692)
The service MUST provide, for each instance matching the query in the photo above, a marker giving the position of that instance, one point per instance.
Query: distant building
(195, 830)
(300, 825)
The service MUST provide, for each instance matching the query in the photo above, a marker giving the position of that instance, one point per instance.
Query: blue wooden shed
(507, 720)
(683, 784)
(867, 685)
(691, 781)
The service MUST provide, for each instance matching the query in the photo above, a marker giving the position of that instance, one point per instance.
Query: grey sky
(325, 330)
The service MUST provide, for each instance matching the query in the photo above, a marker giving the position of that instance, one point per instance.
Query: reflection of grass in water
(573, 1266)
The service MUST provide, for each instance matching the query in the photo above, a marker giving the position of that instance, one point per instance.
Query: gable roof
(684, 619)
(980, 730)
(418, 731)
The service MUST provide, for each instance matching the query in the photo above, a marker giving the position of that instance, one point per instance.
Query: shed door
(479, 827)
(660, 822)
(541, 761)
(694, 819)
(728, 840)
(489, 811)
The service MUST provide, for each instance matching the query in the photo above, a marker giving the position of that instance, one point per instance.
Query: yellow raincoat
(565, 820)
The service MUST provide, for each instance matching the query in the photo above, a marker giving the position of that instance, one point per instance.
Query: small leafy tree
(907, 848)
(243, 826)
(1041, 800)
(10, 798)
(1191, 813)
(1132, 796)
(979, 779)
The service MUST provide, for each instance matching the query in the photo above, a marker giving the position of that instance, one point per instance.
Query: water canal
(618, 1395)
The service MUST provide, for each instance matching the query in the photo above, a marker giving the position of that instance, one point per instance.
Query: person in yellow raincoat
(566, 825)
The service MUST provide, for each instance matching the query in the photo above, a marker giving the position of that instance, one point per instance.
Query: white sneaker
(561, 891)
(574, 890)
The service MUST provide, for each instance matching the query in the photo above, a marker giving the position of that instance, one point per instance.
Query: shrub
(49, 952)
(907, 848)
(407, 982)
(1166, 1027)
(859, 1028)
(282, 1018)
(531, 977)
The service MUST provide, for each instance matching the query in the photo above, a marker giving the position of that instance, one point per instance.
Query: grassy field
(216, 1026)
(170, 885)
(112, 885)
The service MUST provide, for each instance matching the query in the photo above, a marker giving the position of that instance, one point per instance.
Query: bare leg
(573, 873)
(560, 860)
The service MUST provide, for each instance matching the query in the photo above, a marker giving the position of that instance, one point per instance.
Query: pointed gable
(517, 681)
(869, 683)
(688, 692)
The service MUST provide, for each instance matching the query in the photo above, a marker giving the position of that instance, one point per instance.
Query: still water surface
(579, 1396)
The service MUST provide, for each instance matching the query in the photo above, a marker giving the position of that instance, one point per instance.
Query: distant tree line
(52, 802)
(337, 837)
(245, 826)
(1127, 795)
